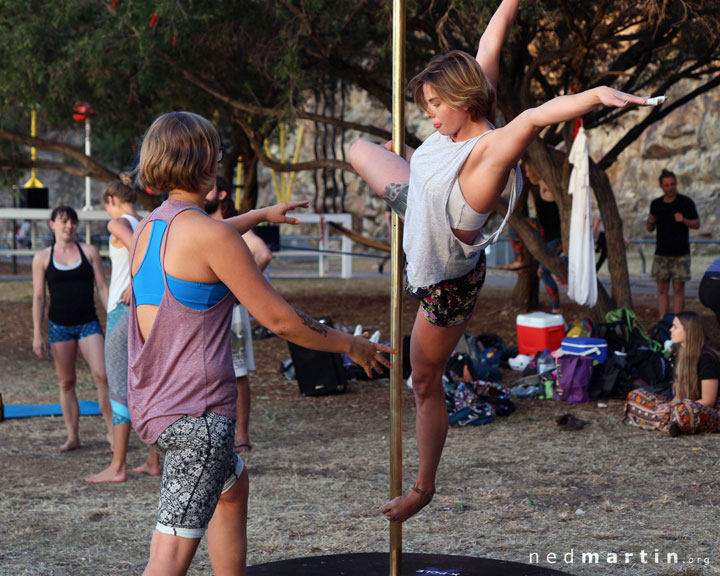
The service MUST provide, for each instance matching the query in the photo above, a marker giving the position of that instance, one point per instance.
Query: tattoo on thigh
(311, 323)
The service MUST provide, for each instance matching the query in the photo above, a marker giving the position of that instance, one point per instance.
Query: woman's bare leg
(93, 350)
(227, 533)
(378, 167)
(170, 555)
(151, 466)
(430, 349)
(65, 354)
(116, 471)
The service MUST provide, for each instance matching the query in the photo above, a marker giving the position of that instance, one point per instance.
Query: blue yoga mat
(87, 408)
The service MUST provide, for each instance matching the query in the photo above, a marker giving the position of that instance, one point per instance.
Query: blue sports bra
(148, 286)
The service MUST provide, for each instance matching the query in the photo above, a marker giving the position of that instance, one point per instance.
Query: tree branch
(93, 168)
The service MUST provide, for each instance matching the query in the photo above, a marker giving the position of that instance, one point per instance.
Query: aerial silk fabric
(582, 279)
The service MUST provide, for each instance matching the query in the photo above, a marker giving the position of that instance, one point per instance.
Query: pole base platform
(378, 564)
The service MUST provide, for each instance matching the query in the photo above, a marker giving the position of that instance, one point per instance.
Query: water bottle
(545, 362)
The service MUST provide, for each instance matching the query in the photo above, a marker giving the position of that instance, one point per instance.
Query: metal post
(87, 206)
(396, 274)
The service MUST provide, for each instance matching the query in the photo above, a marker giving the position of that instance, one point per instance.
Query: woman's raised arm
(493, 39)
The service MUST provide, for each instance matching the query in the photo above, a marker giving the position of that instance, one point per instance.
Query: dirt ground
(517, 489)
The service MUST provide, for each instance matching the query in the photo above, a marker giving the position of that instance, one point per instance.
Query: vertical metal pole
(88, 205)
(398, 132)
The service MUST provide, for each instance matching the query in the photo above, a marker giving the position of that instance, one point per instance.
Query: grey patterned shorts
(200, 465)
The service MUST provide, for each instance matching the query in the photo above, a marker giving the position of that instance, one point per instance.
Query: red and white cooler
(539, 331)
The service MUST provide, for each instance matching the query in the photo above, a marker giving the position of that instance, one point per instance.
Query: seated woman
(695, 407)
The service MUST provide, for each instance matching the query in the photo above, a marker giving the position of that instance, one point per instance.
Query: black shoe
(674, 430)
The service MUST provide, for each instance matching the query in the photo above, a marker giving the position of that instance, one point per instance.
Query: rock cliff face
(686, 142)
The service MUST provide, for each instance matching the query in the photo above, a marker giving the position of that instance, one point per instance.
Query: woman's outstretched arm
(492, 40)
(506, 145)
(275, 214)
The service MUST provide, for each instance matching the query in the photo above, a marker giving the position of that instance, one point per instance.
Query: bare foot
(149, 469)
(69, 446)
(108, 475)
(403, 507)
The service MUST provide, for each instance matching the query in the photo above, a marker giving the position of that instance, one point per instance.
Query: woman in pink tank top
(181, 383)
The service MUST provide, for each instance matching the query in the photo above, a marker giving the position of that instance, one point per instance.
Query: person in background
(187, 269)
(695, 406)
(672, 215)
(71, 270)
(119, 199)
(219, 205)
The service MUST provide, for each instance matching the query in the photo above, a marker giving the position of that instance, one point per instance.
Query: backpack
(661, 331)
(651, 367)
(631, 329)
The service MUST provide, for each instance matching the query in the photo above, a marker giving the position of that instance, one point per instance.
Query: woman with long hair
(449, 187)
(695, 405)
(119, 200)
(187, 270)
(71, 270)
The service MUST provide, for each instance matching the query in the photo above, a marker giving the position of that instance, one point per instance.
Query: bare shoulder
(90, 250)
(42, 258)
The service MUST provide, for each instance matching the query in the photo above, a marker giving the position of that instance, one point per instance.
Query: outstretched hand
(617, 99)
(276, 214)
(367, 354)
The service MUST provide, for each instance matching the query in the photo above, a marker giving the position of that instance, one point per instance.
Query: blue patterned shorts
(200, 466)
(59, 333)
(451, 302)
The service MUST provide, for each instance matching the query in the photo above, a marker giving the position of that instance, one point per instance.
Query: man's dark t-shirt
(673, 238)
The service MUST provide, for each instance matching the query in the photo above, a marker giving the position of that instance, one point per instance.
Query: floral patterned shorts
(200, 465)
(450, 302)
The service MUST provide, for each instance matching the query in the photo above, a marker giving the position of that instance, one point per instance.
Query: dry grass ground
(319, 470)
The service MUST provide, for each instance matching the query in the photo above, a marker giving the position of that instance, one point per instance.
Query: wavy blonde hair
(459, 81)
(179, 151)
(686, 383)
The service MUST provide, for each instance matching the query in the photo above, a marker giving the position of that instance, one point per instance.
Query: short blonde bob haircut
(179, 151)
(460, 83)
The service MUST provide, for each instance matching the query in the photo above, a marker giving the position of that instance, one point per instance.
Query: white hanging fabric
(582, 280)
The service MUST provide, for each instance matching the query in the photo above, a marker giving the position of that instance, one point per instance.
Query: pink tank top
(185, 365)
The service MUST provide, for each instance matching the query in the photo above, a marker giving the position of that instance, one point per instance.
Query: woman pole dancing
(71, 270)
(452, 183)
(187, 269)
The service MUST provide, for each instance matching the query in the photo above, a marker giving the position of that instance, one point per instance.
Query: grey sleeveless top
(184, 367)
(433, 252)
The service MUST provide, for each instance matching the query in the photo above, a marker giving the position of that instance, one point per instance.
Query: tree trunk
(249, 159)
(526, 295)
(617, 257)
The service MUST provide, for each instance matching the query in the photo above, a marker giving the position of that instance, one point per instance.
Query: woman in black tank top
(71, 270)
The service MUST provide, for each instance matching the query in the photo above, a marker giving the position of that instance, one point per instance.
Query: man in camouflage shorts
(673, 215)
